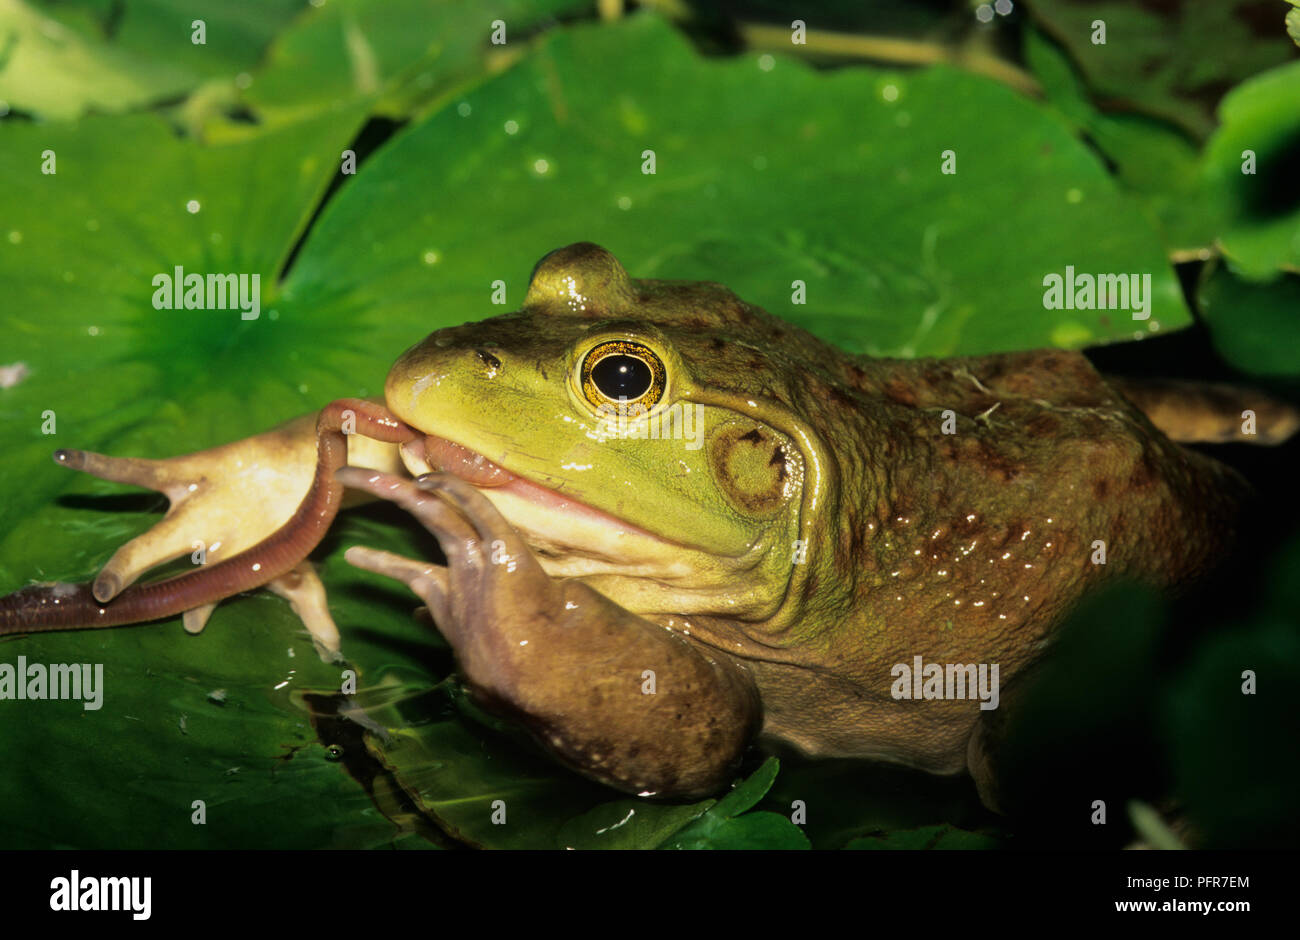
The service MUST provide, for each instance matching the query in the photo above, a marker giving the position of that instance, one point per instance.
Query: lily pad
(897, 257)
(1255, 326)
(1253, 158)
(1170, 60)
(1154, 160)
(401, 53)
(62, 59)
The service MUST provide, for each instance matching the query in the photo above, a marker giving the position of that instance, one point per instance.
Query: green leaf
(1260, 125)
(1254, 326)
(723, 826)
(60, 60)
(629, 824)
(1171, 60)
(1233, 753)
(897, 257)
(1155, 161)
(404, 52)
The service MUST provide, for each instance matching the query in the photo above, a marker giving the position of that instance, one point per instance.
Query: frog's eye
(620, 371)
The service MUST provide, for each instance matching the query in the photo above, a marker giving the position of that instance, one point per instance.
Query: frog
(675, 526)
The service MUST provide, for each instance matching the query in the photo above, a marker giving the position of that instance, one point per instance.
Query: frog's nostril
(492, 362)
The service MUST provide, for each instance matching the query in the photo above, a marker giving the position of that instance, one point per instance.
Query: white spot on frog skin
(422, 384)
(257, 566)
(523, 642)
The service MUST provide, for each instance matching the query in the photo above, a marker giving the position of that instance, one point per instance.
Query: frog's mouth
(642, 571)
(432, 453)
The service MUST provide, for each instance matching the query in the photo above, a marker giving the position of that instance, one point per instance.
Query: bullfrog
(674, 524)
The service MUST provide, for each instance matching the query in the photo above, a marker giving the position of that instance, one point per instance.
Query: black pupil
(622, 377)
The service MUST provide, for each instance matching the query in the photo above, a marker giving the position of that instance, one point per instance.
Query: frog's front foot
(247, 513)
(222, 502)
(617, 697)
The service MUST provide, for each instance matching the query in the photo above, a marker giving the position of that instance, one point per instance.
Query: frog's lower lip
(433, 453)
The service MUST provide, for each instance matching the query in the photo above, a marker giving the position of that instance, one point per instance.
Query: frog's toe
(427, 581)
(164, 476)
(458, 540)
(470, 502)
(166, 541)
(305, 592)
(195, 620)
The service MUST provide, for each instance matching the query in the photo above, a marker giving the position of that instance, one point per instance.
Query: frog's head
(639, 434)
